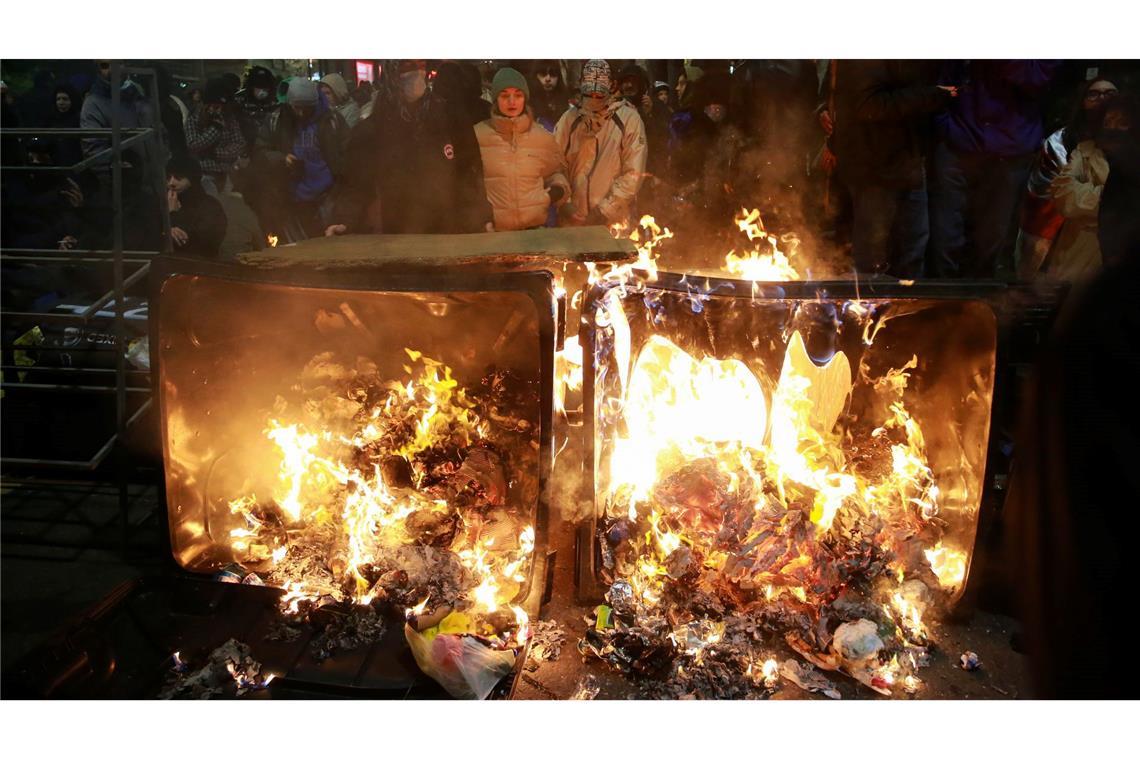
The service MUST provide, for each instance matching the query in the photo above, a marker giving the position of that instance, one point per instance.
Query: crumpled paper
(462, 664)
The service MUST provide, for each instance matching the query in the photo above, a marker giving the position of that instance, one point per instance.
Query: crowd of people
(913, 169)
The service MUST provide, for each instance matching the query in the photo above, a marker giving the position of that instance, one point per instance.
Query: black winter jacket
(883, 118)
(423, 165)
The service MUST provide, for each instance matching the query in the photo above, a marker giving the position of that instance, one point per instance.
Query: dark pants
(973, 206)
(890, 230)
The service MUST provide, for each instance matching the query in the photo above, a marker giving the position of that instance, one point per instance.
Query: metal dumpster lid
(524, 247)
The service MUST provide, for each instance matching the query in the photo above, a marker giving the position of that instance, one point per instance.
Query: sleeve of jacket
(1075, 196)
(266, 149)
(633, 156)
(877, 99)
(473, 192)
(335, 146)
(355, 189)
(210, 226)
(554, 170)
(92, 117)
(201, 140)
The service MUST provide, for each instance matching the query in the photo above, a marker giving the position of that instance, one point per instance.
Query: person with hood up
(197, 220)
(414, 164)
(66, 116)
(336, 92)
(603, 139)
(256, 100)
(302, 148)
(141, 184)
(213, 133)
(523, 168)
(96, 114)
(549, 96)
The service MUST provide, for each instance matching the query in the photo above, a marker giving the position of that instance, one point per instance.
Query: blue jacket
(999, 106)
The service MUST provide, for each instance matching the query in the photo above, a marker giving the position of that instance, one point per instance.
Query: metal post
(120, 322)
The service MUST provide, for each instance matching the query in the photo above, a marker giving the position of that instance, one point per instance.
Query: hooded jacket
(348, 107)
(96, 114)
(279, 136)
(606, 167)
(520, 161)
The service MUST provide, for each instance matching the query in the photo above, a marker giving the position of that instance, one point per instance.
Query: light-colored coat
(520, 161)
(606, 167)
(1076, 192)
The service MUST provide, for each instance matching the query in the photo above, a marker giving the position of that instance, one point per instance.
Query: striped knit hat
(595, 78)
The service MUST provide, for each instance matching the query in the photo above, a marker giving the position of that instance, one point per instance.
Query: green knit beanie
(508, 77)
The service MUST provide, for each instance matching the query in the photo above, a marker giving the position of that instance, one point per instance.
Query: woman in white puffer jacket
(523, 169)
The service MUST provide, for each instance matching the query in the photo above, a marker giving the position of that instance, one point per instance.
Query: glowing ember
(272, 239)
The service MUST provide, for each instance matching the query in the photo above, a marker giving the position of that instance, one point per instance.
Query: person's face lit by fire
(548, 79)
(682, 83)
(663, 97)
(62, 102)
(716, 112)
(177, 185)
(511, 101)
(629, 88)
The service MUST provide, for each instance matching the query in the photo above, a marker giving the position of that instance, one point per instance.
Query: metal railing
(121, 138)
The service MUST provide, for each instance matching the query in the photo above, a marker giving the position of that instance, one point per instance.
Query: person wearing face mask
(301, 154)
(523, 168)
(549, 97)
(1040, 220)
(603, 139)
(256, 101)
(414, 164)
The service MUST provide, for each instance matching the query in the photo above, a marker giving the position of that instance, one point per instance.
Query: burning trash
(230, 670)
(765, 481)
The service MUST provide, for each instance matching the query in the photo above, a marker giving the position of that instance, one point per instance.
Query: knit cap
(508, 77)
(302, 92)
(595, 78)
